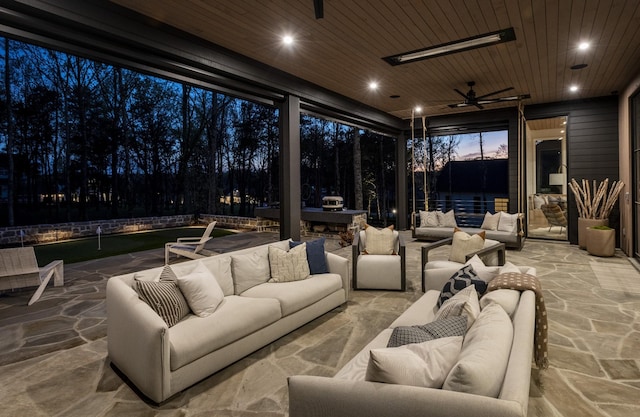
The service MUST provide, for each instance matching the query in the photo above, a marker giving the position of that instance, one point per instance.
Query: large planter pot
(583, 223)
(601, 242)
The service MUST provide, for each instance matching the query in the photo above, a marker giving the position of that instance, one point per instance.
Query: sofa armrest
(424, 257)
(137, 340)
(339, 265)
(313, 396)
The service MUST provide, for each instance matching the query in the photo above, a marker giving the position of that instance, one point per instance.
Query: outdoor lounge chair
(189, 247)
(19, 269)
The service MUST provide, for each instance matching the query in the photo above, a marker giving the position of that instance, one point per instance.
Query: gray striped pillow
(165, 298)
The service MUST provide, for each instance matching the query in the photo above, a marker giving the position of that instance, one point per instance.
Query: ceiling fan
(470, 99)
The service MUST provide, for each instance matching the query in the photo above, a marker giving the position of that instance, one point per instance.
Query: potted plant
(594, 204)
(601, 241)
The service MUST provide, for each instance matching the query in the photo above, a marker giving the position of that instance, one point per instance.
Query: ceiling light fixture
(466, 44)
(583, 46)
(573, 88)
(287, 39)
(373, 85)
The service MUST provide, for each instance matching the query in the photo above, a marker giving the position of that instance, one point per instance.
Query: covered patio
(54, 357)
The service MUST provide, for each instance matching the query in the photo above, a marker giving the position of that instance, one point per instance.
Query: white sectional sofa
(348, 394)
(161, 360)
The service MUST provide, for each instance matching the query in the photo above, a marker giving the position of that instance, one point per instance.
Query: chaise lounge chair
(19, 269)
(189, 247)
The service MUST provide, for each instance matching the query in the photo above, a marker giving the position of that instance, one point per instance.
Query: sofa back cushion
(485, 354)
(219, 266)
(250, 269)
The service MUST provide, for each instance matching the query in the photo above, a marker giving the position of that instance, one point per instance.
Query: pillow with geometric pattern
(451, 326)
(464, 277)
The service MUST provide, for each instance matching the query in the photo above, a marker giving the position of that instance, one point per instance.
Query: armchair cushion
(379, 241)
(463, 244)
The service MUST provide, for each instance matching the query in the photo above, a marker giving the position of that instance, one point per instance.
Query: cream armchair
(493, 253)
(379, 272)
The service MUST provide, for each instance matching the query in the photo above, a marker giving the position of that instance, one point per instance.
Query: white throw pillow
(490, 221)
(424, 364)
(464, 244)
(508, 222)
(202, 291)
(288, 266)
(507, 299)
(507, 268)
(484, 272)
(250, 269)
(379, 241)
(484, 356)
(463, 303)
(448, 219)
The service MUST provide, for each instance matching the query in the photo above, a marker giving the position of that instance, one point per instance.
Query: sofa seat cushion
(235, 318)
(296, 295)
(379, 271)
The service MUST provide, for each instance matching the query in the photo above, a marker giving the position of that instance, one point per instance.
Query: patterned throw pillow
(428, 219)
(447, 219)
(463, 278)
(463, 244)
(164, 297)
(464, 303)
(288, 266)
(404, 335)
(379, 241)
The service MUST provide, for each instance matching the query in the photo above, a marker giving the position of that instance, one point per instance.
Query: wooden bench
(19, 269)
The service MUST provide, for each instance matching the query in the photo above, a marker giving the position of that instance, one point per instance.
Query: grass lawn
(79, 250)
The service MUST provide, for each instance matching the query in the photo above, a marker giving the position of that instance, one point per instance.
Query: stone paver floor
(53, 359)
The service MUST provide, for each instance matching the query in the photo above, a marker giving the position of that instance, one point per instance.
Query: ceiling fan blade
(461, 93)
(318, 9)
(478, 105)
(453, 106)
(495, 92)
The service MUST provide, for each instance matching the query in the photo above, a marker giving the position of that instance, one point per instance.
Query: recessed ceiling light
(583, 46)
(287, 39)
(373, 85)
(562, 131)
(418, 109)
(564, 122)
(573, 88)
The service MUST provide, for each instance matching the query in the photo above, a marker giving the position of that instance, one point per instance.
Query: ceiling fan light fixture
(466, 44)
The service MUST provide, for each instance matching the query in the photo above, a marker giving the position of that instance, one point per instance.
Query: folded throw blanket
(523, 282)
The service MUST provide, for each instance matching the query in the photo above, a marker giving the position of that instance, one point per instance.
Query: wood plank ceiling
(343, 51)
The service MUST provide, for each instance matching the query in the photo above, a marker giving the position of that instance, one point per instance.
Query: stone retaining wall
(46, 233)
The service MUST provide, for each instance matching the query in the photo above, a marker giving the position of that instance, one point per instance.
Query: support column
(402, 214)
(290, 168)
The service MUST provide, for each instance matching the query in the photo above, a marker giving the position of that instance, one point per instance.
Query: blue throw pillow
(315, 255)
(461, 280)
